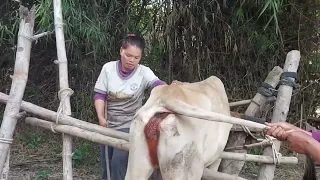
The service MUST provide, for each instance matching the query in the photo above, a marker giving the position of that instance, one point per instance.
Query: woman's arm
(313, 149)
(100, 106)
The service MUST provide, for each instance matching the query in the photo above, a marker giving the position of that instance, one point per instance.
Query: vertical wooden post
(65, 92)
(19, 81)
(238, 138)
(266, 171)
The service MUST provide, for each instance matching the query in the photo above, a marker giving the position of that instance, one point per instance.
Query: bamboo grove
(187, 40)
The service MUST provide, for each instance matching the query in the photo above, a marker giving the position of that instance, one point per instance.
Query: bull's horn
(185, 109)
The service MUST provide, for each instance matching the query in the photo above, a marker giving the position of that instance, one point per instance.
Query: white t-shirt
(124, 94)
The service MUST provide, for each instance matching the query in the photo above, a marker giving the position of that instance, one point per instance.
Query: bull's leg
(139, 166)
(179, 155)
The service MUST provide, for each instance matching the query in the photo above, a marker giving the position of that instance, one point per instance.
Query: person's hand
(276, 132)
(298, 141)
(284, 125)
(176, 82)
(103, 122)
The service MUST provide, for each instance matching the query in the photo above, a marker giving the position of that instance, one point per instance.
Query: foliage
(32, 140)
(43, 174)
(238, 41)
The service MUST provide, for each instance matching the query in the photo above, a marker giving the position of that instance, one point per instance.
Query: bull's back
(209, 95)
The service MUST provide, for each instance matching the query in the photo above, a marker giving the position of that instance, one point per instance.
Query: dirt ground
(36, 155)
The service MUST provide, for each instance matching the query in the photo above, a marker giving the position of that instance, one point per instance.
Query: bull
(180, 146)
(167, 133)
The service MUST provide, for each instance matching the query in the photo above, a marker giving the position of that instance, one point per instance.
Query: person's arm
(313, 149)
(100, 106)
(101, 89)
(151, 79)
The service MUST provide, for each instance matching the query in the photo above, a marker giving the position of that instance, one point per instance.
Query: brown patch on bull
(152, 133)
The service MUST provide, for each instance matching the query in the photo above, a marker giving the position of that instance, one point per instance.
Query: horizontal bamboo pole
(81, 133)
(257, 158)
(239, 128)
(124, 145)
(239, 103)
(248, 101)
(66, 120)
(264, 143)
(212, 175)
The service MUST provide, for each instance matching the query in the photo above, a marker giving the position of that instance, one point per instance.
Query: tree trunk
(64, 93)
(280, 112)
(19, 81)
(239, 138)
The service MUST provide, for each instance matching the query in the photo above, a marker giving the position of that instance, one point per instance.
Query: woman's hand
(176, 82)
(103, 122)
(276, 132)
(284, 125)
(277, 129)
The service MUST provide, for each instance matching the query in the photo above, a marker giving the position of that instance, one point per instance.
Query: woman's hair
(133, 40)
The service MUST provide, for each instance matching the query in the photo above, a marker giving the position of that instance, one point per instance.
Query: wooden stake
(280, 112)
(67, 120)
(124, 145)
(65, 92)
(19, 81)
(239, 138)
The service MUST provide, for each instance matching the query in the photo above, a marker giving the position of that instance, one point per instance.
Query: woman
(119, 89)
(299, 140)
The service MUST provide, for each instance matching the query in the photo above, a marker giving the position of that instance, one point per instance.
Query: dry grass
(283, 171)
(36, 154)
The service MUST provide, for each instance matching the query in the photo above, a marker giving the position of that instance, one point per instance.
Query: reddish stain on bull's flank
(152, 133)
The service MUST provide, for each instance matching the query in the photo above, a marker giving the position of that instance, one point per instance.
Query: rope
(267, 141)
(288, 79)
(267, 90)
(247, 130)
(26, 37)
(276, 155)
(6, 141)
(59, 111)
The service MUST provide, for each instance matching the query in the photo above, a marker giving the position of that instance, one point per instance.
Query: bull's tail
(310, 170)
(152, 134)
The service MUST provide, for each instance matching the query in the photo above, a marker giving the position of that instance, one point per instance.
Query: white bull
(181, 146)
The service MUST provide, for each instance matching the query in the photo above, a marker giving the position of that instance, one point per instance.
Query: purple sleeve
(99, 96)
(316, 135)
(157, 83)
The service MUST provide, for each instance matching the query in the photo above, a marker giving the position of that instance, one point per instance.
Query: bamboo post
(280, 112)
(239, 138)
(19, 81)
(65, 92)
(124, 145)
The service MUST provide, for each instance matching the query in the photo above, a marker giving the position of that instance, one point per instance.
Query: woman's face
(130, 57)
